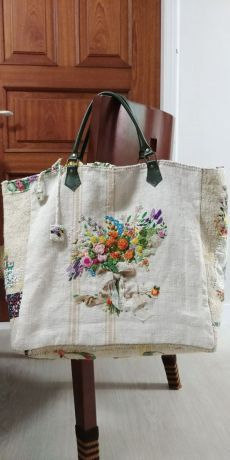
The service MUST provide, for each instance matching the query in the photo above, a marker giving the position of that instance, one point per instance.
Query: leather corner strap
(72, 180)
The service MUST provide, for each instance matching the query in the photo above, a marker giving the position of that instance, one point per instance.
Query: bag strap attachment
(145, 151)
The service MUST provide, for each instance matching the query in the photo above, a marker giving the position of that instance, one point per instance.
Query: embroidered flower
(155, 291)
(220, 294)
(161, 233)
(102, 239)
(145, 262)
(93, 239)
(20, 186)
(96, 261)
(86, 261)
(129, 254)
(99, 248)
(102, 257)
(113, 233)
(110, 242)
(75, 269)
(115, 255)
(122, 243)
(108, 247)
(221, 220)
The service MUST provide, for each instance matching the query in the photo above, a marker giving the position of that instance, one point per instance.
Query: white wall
(199, 49)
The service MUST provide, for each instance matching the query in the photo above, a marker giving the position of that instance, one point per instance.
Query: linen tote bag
(104, 260)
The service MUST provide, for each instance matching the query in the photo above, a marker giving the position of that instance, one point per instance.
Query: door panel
(54, 56)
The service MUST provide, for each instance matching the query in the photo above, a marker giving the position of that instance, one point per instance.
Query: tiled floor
(138, 417)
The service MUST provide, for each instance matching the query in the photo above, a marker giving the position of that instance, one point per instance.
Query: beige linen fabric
(62, 317)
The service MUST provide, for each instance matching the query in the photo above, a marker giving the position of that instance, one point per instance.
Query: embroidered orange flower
(129, 254)
(129, 233)
(61, 353)
(122, 244)
(145, 262)
(155, 291)
(110, 242)
(113, 233)
(115, 255)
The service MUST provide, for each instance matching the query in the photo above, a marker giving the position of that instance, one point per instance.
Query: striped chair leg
(87, 432)
(87, 443)
(172, 372)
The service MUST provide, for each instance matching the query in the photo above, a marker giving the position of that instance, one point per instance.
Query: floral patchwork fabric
(24, 184)
(221, 221)
(14, 302)
(9, 272)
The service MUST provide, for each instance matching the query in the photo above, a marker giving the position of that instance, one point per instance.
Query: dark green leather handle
(85, 142)
(145, 149)
(72, 177)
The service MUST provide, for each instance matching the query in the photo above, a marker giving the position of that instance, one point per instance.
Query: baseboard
(5, 326)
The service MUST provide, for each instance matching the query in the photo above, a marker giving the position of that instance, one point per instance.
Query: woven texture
(129, 270)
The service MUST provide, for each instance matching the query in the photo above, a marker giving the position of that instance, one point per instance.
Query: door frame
(170, 64)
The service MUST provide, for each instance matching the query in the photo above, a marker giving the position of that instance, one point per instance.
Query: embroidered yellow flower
(134, 241)
(101, 239)
(94, 239)
(139, 249)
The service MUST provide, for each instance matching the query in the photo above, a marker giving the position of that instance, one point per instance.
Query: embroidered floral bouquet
(103, 247)
(131, 240)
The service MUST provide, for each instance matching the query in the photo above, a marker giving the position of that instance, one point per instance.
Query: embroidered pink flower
(161, 233)
(20, 185)
(102, 257)
(96, 261)
(99, 248)
(86, 261)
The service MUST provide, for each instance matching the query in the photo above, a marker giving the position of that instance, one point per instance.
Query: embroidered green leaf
(144, 214)
(128, 218)
(143, 232)
(110, 265)
(151, 231)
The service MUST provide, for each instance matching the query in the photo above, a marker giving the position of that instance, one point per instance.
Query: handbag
(116, 261)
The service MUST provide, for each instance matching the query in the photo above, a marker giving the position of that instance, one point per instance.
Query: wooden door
(54, 56)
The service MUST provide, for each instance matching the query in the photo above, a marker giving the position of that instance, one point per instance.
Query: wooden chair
(113, 139)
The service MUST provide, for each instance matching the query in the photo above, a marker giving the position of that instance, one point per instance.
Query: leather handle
(72, 177)
(145, 149)
(85, 142)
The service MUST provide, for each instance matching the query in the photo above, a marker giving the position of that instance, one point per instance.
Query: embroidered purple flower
(74, 270)
(86, 261)
(99, 248)
(31, 179)
(160, 220)
(157, 215)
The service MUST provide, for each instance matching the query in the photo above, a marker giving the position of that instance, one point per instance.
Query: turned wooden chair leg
(86, 428)
(172, 372)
